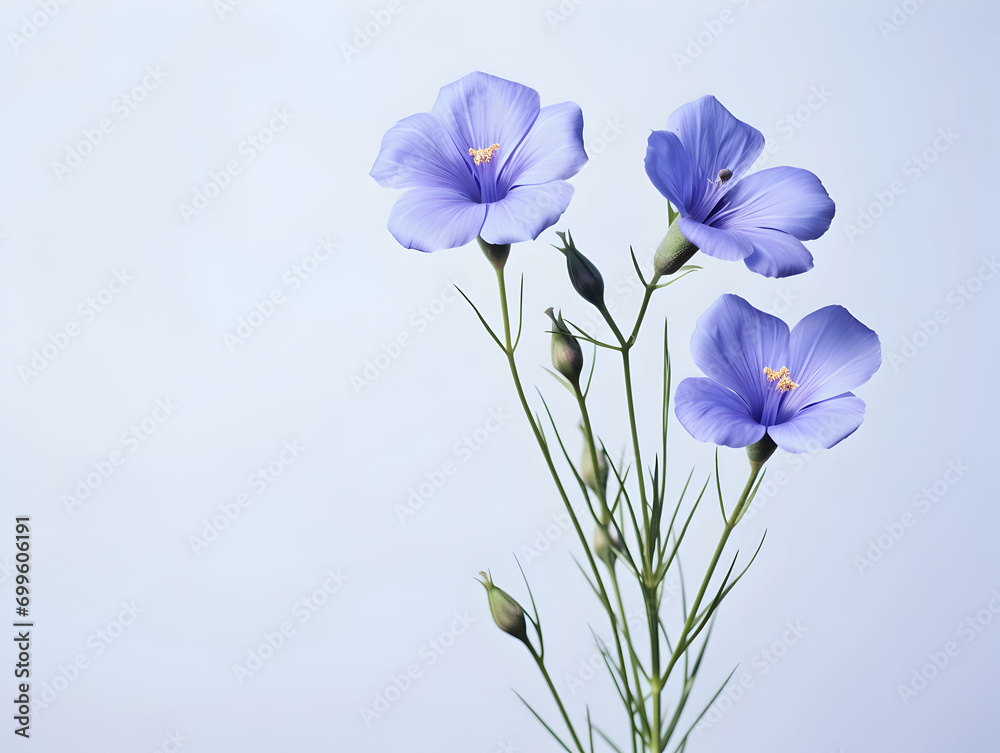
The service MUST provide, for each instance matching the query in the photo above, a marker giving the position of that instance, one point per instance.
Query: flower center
(725, 174)
(783, 377)
(479, 156)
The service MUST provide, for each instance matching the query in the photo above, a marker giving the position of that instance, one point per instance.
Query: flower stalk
(490, 163)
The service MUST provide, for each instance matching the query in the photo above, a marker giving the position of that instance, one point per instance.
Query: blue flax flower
(698, 164)
(487, 161)
(764, 380)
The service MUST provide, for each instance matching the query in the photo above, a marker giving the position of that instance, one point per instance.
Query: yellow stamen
(772, 375)
(783, 378)
(479, 156)
(786, 385)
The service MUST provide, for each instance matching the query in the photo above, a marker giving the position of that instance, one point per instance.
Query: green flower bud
(587, 281)
(597, 481)
(507, 613)
(673, 252)
(606, 541)
(567, 356)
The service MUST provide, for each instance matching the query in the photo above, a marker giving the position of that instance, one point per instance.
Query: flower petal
(714, 140)
(480, 110)
(779, 198)
(552, 150)
(721, 244)
(671, 171)
(821, 424)
(711, 413)
(732, 344)
(418, 151)
(829, 352)
(776, 254)
(525, 212)
(431, 219)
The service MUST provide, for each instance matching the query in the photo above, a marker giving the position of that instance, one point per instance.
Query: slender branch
(555, 695)
(683, 642)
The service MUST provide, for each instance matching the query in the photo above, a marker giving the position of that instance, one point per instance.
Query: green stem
(605, 519)
(682, 642)
(555, 695)
(606, 602)
(656, 687)
(632, 659)
(649, 588)
(647, 545)
(626, 347)
(509, 350)
(588, 435)
(650, 287)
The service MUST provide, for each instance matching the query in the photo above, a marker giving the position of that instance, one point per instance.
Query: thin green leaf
(736, 580)
(483, 320)
(615, 673)
(680, 575)
(680, 274)
(537, 622)
(590, 728)
(607, 740)
(551, 731)
(680, 537)
(559, 378)
(628, 501)
(584, 335)
(716, 601)
(680, 500)
(656, 511)
(750, 498)
(685, 693)
(638, 270)
(704, 711)
(666, 406)
(579, 479)
(590, 583)
(666, 635)
(520, 315)
(590, 376)
(718, 485)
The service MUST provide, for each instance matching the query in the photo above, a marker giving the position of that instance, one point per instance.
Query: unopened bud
(507, 613)
(606, 541)
(567, 355)
(587, 281)
(598, 481)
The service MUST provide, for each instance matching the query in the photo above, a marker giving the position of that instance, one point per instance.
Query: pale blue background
(886, 96)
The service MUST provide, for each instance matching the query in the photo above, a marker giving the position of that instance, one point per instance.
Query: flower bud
(606, 541)
(567, 355)
(598, 481)
(587, 281)
(507, 613)
(673, 252)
